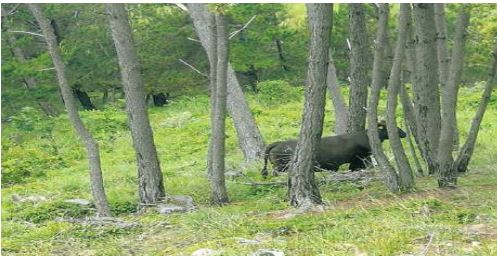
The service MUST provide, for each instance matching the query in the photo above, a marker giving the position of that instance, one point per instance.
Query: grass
(356, 220)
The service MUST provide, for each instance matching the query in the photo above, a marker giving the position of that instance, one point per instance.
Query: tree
(302, 189)
(406, 179)
(425, 85)
(389, 173)
(447, 175)
(466, 152)
(151, 187)
(444, 59)
(249, 136)
(96, 179)
(359, 80)
(219, 50)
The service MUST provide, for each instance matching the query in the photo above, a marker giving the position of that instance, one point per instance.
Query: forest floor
(357, 219)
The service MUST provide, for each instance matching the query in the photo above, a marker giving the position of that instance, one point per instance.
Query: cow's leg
(357, 164)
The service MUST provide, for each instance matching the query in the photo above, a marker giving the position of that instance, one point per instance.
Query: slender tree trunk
(96, 180)
(359, 80)
(389, 174)
(151, 186)
(341, 111)
(412, 148)
(426, 90)
(218, 186)
(213, 88)
(406, 178)
(302, 189)
(249, 136)
(447, 175)
(280, 54)
(444, 60)
(466, 152)
(410, 54)
(443, 53)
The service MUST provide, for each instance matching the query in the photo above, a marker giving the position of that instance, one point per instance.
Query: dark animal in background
(332, 151)
(161, 99)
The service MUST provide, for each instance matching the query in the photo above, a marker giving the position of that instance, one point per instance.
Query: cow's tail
(264, 171)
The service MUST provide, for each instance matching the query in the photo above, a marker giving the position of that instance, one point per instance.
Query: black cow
(332, 151)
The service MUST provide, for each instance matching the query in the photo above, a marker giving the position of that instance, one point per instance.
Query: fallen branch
(427, 247)
(276, 183)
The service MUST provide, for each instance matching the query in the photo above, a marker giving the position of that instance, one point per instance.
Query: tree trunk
(280, 54)
(389, 174)
(96, 180)
(359, 80)
(447, 175)
(443, 53)
(426, 90)
(341, 112)
(212, 51)
(444, 60)
(461, 164)
(217, 179)
(249, 136)
(84, 99)
(406, 178)
(151, 186)
(302, 189)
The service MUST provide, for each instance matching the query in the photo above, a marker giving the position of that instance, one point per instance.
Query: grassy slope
(462, 221)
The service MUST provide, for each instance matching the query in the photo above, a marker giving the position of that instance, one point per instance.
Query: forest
(248, 129)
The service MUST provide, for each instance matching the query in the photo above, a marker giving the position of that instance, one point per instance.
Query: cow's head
(382, 130)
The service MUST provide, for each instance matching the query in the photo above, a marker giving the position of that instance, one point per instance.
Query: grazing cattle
(332, 151)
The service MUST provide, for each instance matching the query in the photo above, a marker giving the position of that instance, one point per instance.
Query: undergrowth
(44, 158)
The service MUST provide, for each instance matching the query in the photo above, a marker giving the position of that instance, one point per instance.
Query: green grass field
(356, 220)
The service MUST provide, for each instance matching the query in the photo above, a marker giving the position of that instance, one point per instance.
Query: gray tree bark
(406, 178)
(150, 184)
(464, 156)
(407, 106)
(389, 173)
(212, 86)
(359, 65)
(443, 53)
(217, 179)
(426, 90)
(96, 180)
(302, 189)
(341, 111)
(444, 60)
(447, 175)
(249, 136)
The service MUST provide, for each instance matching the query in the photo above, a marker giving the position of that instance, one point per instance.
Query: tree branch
(193, 39)
(26, 32)
(192, 67)
(244, 27)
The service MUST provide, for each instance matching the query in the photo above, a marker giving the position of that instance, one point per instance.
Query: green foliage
(104, 124)
(278, 92)
(38, 213)
(32, 159)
